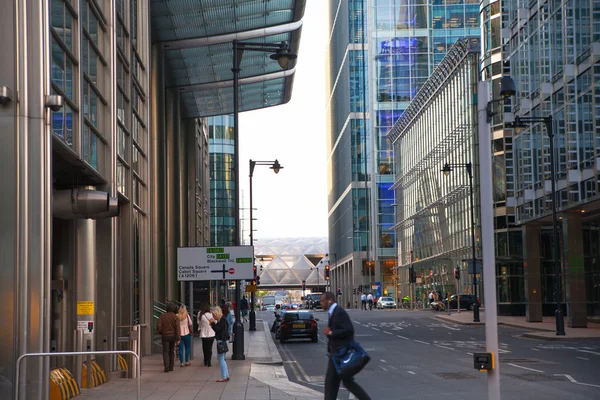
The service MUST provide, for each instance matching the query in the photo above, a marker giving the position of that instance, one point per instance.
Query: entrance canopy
(197, 38)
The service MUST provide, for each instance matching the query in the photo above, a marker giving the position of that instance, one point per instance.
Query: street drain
(455, 375)
(538, 377)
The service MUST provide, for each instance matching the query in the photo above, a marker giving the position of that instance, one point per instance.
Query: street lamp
(276, 167)
(318, 280)
(518, 125)
(281, 53)
(469, 168)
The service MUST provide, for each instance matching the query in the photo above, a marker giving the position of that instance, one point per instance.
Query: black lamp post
(469, 168)
(518, 125)
(276, 167)
(280, 53)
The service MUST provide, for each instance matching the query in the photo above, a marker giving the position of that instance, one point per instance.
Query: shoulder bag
(350, 360)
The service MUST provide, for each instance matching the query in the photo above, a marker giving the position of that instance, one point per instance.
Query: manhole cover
(454, 375)
(538, 377)
(505, 360)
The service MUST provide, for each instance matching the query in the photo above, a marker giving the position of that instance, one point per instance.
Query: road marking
(570, 378)
(402, 337)
(356, 322)
(383, 361)
(419, 341)
(375, 328)
(411, 372)
(529, 369)
(583, 358)
(502, 351)
(535, 349)
(444, 347)
(470, 354)
(383, 368)
(389, 333)
(591, 352)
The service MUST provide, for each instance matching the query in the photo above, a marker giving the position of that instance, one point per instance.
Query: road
(414, 356)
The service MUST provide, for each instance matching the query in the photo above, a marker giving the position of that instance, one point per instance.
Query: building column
(532, 270)
(574, 269)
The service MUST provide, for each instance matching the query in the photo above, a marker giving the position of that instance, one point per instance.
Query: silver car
(385, 302)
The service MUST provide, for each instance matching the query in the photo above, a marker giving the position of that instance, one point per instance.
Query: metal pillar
(85, 278)
(252, 300)
(469, 167)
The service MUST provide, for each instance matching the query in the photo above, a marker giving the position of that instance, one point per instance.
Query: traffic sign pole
(238, 327)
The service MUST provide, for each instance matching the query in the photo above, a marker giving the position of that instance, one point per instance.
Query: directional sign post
(215, 263)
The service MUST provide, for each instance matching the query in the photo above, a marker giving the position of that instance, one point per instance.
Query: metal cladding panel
(185, 19)
(204, 103)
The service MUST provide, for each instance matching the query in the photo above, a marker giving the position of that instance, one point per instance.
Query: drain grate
(455, 375)
(506, 360)
(538, 377)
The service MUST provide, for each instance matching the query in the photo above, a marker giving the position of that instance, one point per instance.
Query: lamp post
(281, 53)
(469, 168)
(276, 167)
(518, 125)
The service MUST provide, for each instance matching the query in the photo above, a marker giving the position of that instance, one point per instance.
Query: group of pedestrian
(214, 324)
(366, 300)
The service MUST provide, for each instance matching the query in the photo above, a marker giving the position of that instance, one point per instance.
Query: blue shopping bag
(350, 360)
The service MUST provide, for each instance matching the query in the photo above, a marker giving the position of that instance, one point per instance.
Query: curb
(273, 352)
(534, 335)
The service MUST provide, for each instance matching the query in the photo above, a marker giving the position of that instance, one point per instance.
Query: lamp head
(276, 167)
(447, 169)
(283, 56)
(507, 87)
(517, 125)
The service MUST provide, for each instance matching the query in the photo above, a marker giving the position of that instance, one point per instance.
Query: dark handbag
(350, 360)
(222, 346)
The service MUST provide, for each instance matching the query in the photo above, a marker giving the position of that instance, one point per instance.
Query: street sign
(215, 263)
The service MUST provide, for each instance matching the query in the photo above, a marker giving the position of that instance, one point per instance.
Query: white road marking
(535, 349)
(470, 354)
(402, 337)
(383, 368)
(591, 352)
(529, 369)
(411, 372)
(502, 351)
(444, 347)
(419, 341)
(572, 380)
(356, 322)
(376, 329)
(389, 333)
(383, 361)
(583, 358)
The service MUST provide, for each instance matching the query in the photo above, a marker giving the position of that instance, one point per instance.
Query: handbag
(350, 360)
(222, 346)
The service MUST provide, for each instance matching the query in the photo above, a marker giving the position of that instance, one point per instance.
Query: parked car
(466, 301)
(298, 324)
(385, 302)
(269, 307)
(313, 301)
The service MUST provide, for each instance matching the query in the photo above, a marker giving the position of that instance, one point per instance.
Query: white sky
(292, 203)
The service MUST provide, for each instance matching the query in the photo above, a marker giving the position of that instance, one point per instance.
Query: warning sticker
(85, 307)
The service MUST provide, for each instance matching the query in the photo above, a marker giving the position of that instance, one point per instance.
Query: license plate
(298, 325)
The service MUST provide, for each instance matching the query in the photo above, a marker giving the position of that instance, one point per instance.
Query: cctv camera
(54, 102)
(5, 95)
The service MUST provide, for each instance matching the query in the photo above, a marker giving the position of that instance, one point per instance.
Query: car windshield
(295, 316)
(387, 299)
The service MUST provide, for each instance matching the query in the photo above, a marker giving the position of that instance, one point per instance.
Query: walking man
(339, 332)
(363, 301)
(370, 301)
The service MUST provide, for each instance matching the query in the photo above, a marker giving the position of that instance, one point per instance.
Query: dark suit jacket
(342, 330)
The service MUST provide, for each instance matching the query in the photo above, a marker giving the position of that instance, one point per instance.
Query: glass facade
(433, 220)
(222, 181)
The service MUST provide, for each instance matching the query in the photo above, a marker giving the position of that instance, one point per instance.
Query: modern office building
(380, 53)
(433, 218)
(105, 159)
(552, 52)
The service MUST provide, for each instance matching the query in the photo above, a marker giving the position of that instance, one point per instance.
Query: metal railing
(78, 353)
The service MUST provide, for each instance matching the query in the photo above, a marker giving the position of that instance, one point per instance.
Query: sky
(292, 203)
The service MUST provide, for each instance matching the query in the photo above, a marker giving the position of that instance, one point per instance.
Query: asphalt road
(414, 356)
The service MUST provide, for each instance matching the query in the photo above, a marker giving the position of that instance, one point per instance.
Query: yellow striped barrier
(122, 363)
(62, 384)
(97, 376)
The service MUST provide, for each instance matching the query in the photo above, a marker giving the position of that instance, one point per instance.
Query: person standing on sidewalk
(219, 325)
(339, 332)
(363, 301)
(185, 327)
(168, 328)
(206, 333)
(229, 319)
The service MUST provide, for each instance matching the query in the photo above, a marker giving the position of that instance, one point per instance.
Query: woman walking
(219, 325)
(206, 332)
(185, 326)
(229, 319)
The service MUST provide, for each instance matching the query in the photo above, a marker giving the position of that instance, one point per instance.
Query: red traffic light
(327, 268)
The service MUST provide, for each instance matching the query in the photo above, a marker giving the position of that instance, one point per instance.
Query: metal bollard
(88, 363)
(78, 342)
(134, 345)
(106, 358)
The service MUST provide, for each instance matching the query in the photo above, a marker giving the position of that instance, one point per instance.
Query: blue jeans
(223, 365)
(186, 341)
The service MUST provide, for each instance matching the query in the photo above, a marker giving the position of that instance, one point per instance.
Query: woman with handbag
(185, 326)
(206, 333)
(219, 325)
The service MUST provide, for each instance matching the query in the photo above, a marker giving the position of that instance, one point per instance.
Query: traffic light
(457, 273)
(327, 272)
(303, 285)
(257, 281)
(354, 291)
(412, 276)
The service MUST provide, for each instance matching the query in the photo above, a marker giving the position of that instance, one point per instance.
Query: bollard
(134, 339)
(88, 363)
(107, 368)
(78, 342)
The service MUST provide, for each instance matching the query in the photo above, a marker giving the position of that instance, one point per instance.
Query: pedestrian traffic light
(412, 276)
(457, 273)
(327, 272)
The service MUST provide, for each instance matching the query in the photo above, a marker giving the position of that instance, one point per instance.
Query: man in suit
(339, 332)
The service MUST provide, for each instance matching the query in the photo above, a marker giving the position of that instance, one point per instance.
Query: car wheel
(282, 340)
(315, 339)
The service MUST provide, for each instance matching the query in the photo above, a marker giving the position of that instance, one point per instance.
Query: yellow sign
(250, 288)
(85, 307)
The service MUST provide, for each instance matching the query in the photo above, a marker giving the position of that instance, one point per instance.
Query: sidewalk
(260, 377)
(545, 330)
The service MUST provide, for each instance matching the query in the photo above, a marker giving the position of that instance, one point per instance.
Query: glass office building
(381, 52)
(552, 51)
